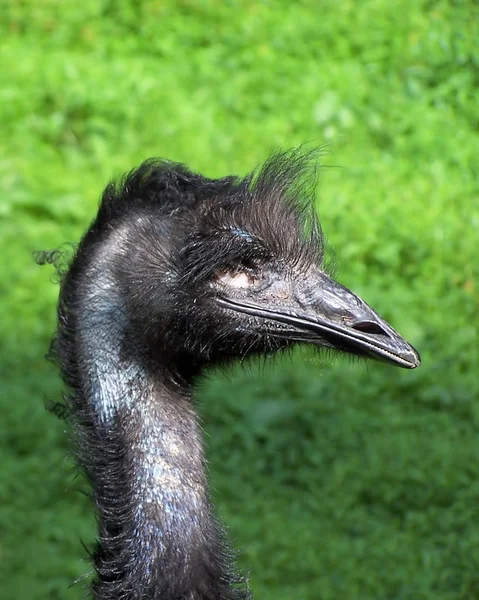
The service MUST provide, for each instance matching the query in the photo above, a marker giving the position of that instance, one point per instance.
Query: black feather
(140, 317)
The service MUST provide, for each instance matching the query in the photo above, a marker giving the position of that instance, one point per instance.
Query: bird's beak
(331, 315)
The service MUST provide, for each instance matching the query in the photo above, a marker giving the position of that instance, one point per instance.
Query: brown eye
(235, 279)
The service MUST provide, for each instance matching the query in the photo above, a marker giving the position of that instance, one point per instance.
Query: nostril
(368, 327)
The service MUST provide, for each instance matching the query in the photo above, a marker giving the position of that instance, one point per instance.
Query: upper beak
(331, 315)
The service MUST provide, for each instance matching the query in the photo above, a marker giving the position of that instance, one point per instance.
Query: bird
(179, 272)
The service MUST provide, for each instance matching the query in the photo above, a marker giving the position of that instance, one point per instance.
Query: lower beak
(337, 319)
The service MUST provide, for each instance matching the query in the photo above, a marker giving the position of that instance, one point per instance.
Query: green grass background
(336, 481)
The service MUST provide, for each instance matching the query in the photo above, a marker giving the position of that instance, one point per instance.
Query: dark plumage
(175, 273)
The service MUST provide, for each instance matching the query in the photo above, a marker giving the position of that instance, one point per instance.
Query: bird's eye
(235, 279)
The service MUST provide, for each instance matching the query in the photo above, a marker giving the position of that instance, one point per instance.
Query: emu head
(210, 270)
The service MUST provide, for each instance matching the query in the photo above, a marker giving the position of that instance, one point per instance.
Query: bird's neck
(141, 448)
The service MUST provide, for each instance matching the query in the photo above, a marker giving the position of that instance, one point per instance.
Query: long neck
(140, 445)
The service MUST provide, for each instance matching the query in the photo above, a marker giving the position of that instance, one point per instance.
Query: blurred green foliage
(336, 481)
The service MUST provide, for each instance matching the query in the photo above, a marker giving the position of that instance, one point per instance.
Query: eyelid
(239, 279)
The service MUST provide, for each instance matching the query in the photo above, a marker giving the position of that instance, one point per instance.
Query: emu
(178, 272)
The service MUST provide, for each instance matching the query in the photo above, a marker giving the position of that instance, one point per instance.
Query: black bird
(178, 272)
